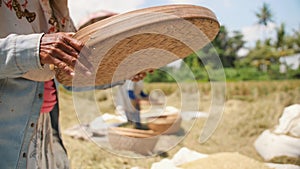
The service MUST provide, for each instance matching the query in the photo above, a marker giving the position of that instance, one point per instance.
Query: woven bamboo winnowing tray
(169, 124)
(138, 141)
(126, 44)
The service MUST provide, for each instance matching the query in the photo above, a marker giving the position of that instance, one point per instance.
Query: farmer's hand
(61, 50)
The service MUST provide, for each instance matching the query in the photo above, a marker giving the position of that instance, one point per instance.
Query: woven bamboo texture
(138, 141)
(169, 124)
(126, 44)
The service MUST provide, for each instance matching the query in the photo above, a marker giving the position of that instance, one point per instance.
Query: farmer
(128, 99)
(32, 38)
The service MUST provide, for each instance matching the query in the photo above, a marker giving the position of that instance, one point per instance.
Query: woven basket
(138, 141)
(126, 44)
(167, 124)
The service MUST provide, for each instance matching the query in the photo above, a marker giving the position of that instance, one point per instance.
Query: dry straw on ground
(225, 161)
(251, 107)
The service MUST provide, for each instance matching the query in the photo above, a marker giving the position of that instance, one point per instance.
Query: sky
(233, 14)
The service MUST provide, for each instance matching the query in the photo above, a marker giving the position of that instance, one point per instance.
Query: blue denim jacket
(20, 99)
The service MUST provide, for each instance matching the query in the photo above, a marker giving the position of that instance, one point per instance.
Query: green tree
(227, 46)
(296, 41)
(224, 46)
(282, 44)
(262, 56)
(264, 15)
(280, 32)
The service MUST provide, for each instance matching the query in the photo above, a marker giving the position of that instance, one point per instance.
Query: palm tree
(264, 15)
(280, 32)
(227, 46)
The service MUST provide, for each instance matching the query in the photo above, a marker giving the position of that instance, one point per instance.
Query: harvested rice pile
(225, 161)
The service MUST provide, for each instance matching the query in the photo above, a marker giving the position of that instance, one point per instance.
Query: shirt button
(32, 125)
(24, 155)
(40, 95)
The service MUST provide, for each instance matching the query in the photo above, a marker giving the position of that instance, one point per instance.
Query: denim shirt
(20, 99)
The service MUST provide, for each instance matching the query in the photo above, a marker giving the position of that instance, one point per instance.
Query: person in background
(95, 17)
(33, 35)
(128, 100)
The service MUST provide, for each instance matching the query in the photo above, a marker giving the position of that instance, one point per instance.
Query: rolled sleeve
(27, 51)
(19, 54)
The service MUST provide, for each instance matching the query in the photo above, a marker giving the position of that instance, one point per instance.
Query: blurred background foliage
(264, 60)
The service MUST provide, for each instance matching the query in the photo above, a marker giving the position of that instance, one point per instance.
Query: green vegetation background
(262, 62)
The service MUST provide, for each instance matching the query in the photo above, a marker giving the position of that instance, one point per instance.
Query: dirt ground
(250, 108)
